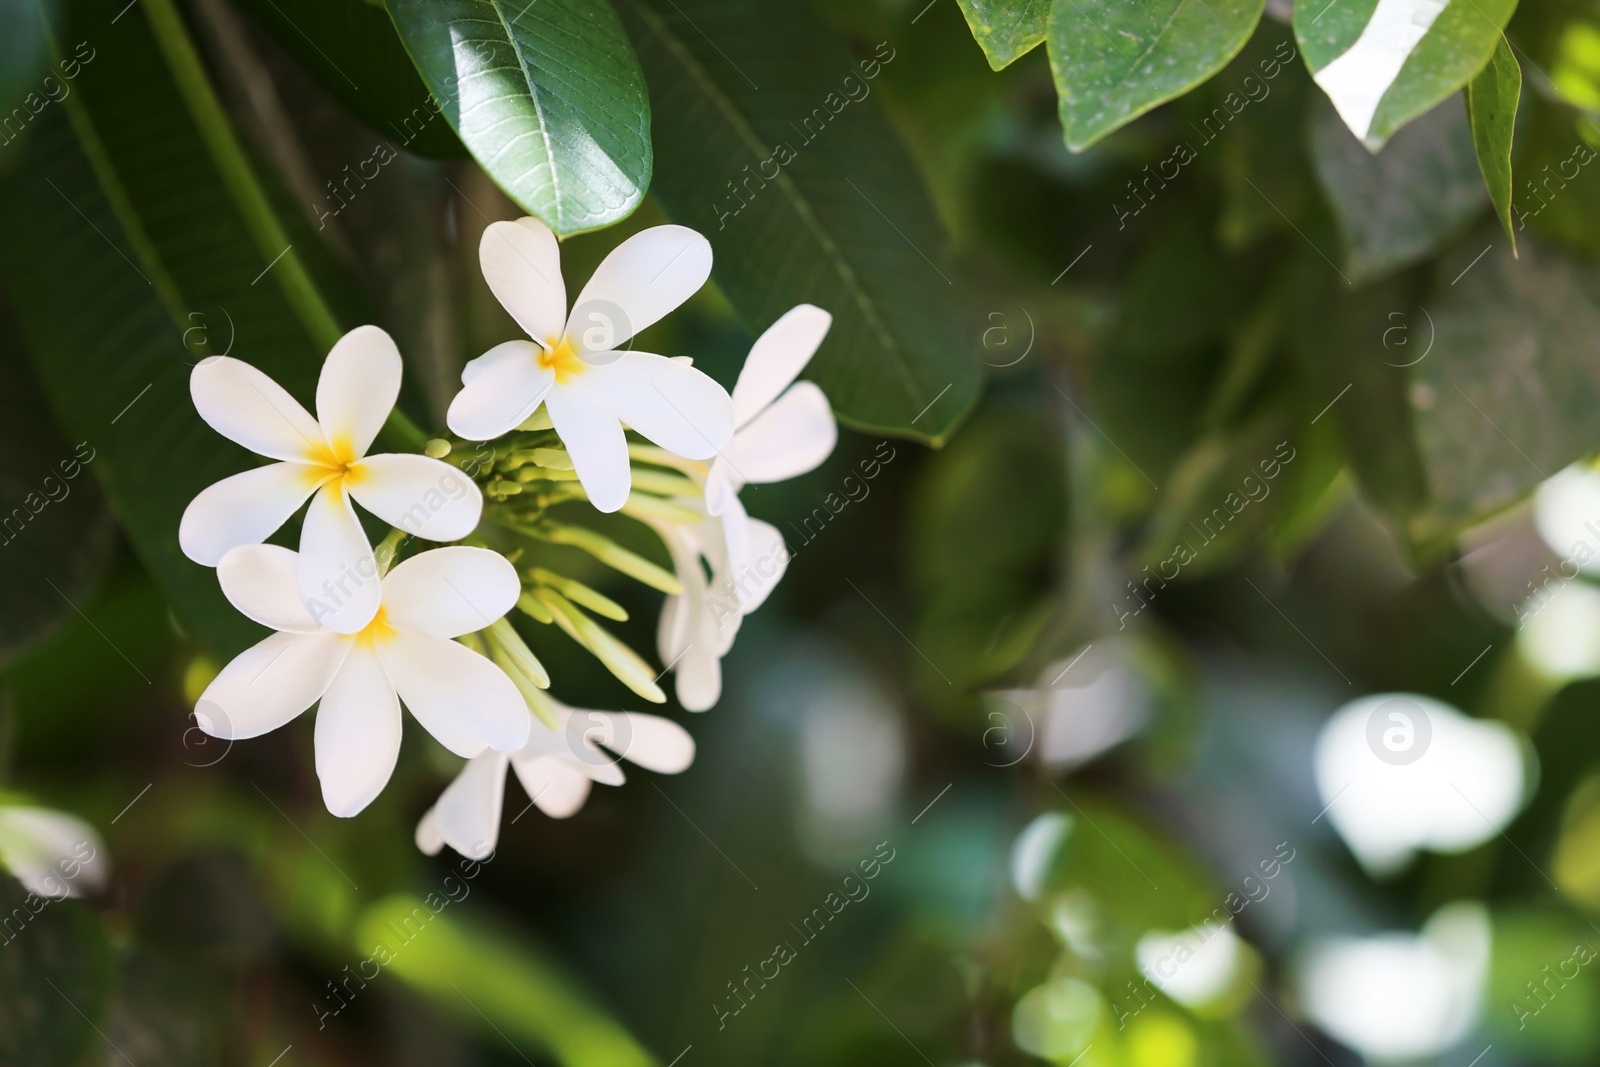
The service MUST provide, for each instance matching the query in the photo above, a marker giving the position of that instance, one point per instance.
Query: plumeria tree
(1119, 477)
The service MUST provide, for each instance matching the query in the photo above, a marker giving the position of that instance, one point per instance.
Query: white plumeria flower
(698, 625)
(573, 366)
(53, 854)
(783, 428)
(325, 456)
(556, 768)
(406, 653)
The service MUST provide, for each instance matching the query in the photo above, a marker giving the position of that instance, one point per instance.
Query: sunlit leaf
(1006, 29)
(548, 99)
(1384, 62)
(1114, 61)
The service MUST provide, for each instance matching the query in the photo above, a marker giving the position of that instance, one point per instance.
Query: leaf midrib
(802, 205)
(538, 108)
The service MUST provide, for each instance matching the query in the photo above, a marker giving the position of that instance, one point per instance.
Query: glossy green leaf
(55, 531)
(1384, 62)
(1492, 108)
(1006, 29)
(351, 48)
(546, 96)
(769, 144)
(55, 974)
(127, 256)
(1113, 60)
(1399, 205)
(1509, 396)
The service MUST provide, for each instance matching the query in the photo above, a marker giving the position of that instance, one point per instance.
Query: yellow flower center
(336, 460)
(376, 631)
(562, 357)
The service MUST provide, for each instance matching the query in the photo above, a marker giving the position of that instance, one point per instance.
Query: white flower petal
(467, 814)
(643, 279)
(359, 386)
(53, 854)
(260, 581)
(722, 485)
(699, 678)
(727, 546)
(338, 576)
(579, 741)
(672, 631)
(652, 742)
(677, 407)
(758, 574)
(788, 439)
(270, 683)
(553, 783)
(245, 509)
(427, 837)
(500, 389)
(357, 734)
(522, 264)
(777, 358)
(504, 352)
(447, 592)
(460, 697)
(595, 441)
(425, 497)
(249, 408)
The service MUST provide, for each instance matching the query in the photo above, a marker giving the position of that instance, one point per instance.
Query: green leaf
(1514, 399)
(1379, 73)
(808, 195)
(1113, 60)
(1007, 462)
(133, 244)
(1397, 206)
(488, 979)
(1151, 383)
(55, 975)
(350, 47)
(546, 96)
(1492, 106)
(1356, 346)
(55, 531)
(1006, 29)
(1214, 506)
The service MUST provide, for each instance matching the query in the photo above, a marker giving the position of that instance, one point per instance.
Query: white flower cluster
(359, 635)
